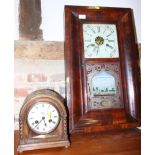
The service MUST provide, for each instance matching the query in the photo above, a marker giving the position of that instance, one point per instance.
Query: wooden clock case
(81, 117)
(30, 140)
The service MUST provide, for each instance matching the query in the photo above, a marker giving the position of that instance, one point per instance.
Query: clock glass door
(103, 84)
(101, 66)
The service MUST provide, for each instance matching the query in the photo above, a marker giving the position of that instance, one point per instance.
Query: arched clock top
(44, 95)
(43, 121)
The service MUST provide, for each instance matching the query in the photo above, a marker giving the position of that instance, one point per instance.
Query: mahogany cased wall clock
(102, 68)
(43, 121)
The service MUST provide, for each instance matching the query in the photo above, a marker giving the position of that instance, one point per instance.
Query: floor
(120, 142)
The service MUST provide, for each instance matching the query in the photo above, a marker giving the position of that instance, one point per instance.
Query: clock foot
(67, 146)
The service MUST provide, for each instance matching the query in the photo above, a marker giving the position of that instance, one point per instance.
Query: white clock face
(43, 117)
(100, 41)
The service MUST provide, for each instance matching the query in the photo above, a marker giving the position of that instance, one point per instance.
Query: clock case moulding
(81, 117)
(30, 140)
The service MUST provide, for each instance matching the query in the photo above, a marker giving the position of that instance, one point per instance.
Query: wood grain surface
(118, 142)
(82, 114)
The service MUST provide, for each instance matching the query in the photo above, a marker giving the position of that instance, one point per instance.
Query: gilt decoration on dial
(100, 41)
(43, 118)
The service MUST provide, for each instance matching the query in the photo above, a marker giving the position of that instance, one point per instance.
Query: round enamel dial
(100, 41)
(43, 118)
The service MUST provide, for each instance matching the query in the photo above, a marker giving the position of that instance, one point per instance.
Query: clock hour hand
(90, 45)
(43, 118)
(109, 46)
(45, 123)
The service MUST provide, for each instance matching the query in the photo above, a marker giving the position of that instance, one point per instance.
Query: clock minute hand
(109, 40)
(97, 50)
(43, 118)
(38, 123)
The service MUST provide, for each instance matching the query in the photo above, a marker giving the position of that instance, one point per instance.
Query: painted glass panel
(103, 83)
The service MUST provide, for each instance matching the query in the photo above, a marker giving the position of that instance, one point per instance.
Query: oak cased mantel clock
(102, 69)
(43, 121)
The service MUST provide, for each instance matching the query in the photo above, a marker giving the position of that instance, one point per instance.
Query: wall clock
(102, 69)
(43, 121)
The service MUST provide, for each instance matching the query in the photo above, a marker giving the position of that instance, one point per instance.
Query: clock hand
(97, 50)
(109, 40)
(45, 123)
(40, 121)
(90, 45)
(109, 46)
(49, 115)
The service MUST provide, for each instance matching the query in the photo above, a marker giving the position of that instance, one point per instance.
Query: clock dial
(100, 41)
(43, 117)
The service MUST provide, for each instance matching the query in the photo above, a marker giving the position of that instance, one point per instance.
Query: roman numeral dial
(100, 41)
(43, 117)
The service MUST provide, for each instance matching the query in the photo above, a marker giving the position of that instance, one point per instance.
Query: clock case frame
(30, 140)
(80, 118)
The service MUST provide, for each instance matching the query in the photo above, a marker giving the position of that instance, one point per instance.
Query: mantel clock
(102, 68)
(43, 121)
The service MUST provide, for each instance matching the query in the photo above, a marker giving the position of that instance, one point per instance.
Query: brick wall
(37, 65)
(36, 74)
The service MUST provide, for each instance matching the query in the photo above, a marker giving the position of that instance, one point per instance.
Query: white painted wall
(53, 19)
(16, 22)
